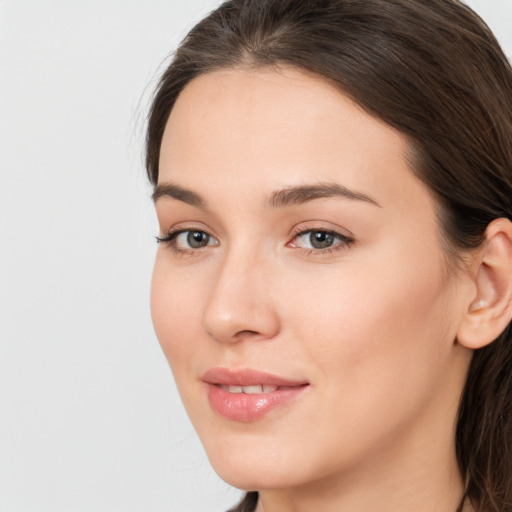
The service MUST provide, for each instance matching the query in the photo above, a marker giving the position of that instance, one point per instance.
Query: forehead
(269, 128)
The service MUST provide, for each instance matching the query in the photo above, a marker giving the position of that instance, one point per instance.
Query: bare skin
(369, 319)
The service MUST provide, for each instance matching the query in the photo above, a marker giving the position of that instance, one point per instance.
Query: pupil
(321, 239)
(197, 239)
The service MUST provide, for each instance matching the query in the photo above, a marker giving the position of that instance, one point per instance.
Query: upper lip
(247, 377)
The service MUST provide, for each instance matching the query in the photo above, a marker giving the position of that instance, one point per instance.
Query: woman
(333, 284)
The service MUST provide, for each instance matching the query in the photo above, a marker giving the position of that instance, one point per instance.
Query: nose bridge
(240, 304)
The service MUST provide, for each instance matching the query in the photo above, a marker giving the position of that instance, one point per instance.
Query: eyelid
(171, 235)
(305, 227)
(346, 239)
(180, 227)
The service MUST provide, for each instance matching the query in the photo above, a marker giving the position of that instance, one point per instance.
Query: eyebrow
(278, 199)
(178, 193)
(304, 193)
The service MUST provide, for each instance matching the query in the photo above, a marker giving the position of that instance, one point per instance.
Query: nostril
(241, 335)
(247, 333)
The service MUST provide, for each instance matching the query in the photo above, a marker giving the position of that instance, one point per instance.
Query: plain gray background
(90, 420)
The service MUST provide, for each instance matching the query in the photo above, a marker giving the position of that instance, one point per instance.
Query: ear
(490, 309)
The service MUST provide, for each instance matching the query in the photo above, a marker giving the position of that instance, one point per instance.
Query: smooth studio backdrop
(90, 420)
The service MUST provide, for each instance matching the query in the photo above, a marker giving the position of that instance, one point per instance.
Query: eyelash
(344, 241)
(170, 239)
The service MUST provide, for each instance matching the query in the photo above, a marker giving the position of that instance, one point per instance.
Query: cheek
(376, 330)
(376, 348)
(175, 311)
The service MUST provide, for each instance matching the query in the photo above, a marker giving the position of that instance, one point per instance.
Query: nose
(241, 304)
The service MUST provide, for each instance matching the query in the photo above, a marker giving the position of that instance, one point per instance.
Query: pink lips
(263, 392)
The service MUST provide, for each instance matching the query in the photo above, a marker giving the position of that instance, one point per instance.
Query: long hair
(433, 70)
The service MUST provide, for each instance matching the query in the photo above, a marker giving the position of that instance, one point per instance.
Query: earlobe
(490, 310)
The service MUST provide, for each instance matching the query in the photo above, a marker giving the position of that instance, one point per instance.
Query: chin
(249, 477)
(259, 464)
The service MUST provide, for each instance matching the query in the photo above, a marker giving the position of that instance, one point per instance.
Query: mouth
(256, 389)
(249, 395)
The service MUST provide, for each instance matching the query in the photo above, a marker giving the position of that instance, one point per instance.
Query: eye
(319, 240)
(188, 239)
(193, 239)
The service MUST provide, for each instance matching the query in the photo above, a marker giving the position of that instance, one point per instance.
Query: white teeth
(250, 390)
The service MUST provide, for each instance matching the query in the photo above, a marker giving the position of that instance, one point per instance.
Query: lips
(249, 395)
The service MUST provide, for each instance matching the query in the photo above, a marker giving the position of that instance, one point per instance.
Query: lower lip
(247, 407)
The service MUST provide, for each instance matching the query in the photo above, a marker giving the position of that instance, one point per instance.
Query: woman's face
(302, 255)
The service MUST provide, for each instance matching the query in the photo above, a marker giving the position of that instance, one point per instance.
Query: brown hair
(433, 70)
